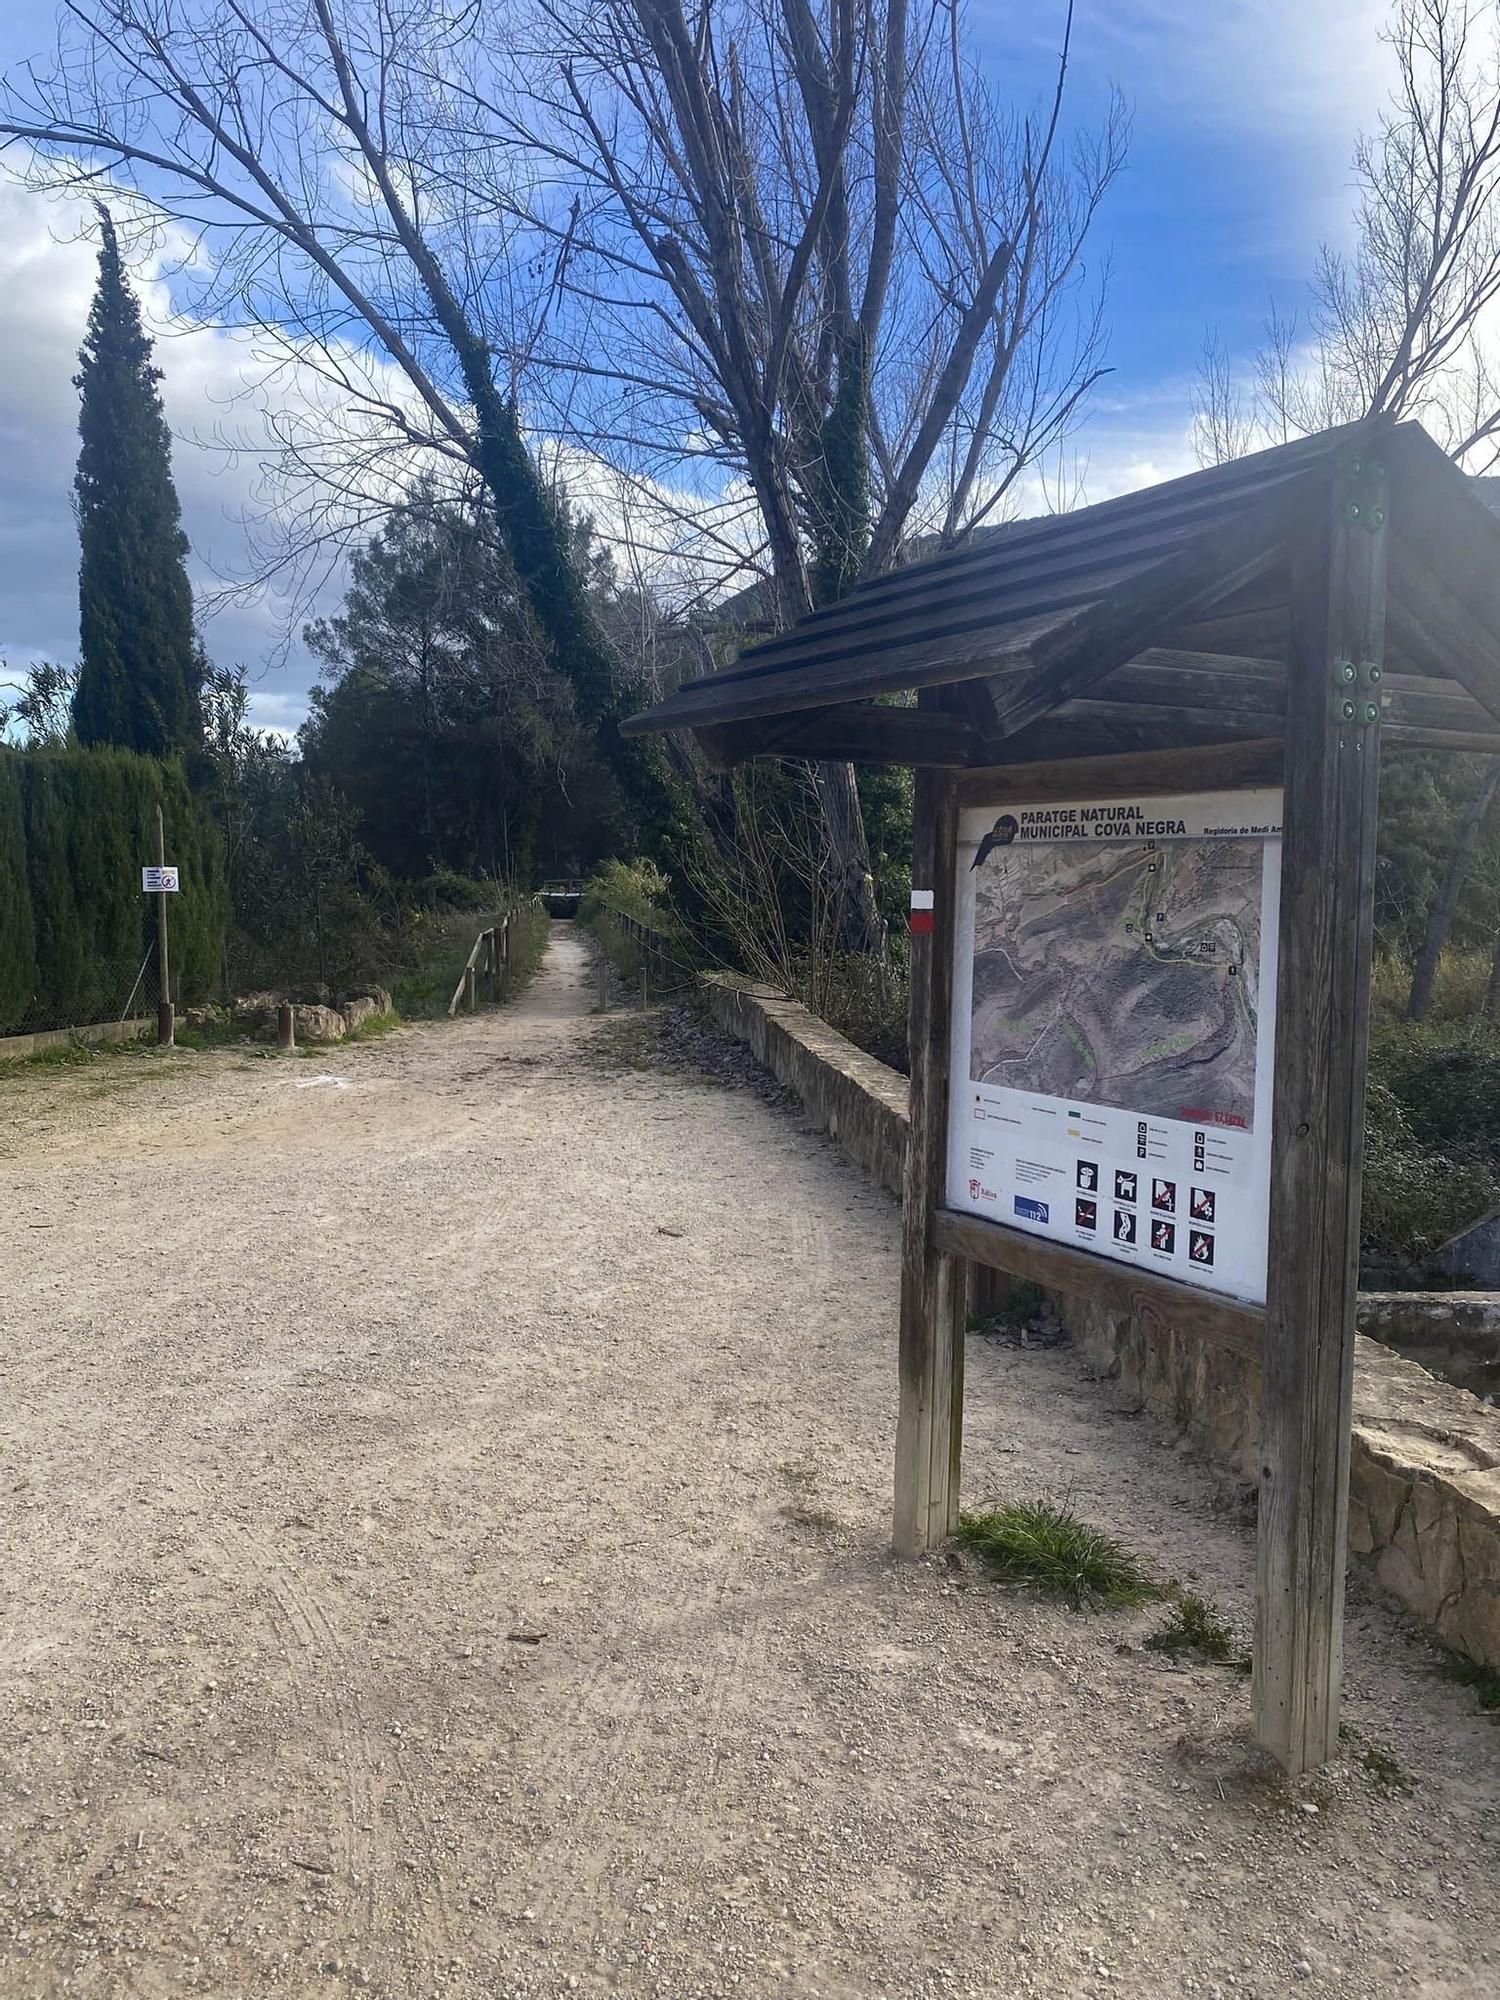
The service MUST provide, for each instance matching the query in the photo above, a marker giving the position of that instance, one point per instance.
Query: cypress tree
(17, 935)
(138, 675)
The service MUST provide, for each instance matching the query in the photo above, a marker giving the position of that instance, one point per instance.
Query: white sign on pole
(1114, 999)
(159, 881)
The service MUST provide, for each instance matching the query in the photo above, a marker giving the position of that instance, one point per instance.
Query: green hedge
(17, 932)
(76, 825)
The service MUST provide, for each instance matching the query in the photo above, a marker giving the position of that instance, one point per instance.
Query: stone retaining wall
(852, 1097)
(14, 1047)
(1424, 1492)
(1452, 1334)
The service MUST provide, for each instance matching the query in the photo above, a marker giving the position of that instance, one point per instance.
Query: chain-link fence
(98, 992)
(419, 964)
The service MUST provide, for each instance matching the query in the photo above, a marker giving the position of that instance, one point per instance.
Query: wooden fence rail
(662, 970)
(488, 960)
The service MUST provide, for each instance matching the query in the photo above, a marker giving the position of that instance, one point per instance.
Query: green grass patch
(1042, 1546)
(424, 992)
(74, 1055)
(377, 1026)
(1194, 1630)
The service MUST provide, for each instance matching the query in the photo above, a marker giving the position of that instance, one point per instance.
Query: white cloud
(222, 397)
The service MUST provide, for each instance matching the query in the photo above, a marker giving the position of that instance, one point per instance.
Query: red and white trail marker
(921, 913)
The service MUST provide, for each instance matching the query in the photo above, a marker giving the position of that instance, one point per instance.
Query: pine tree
(138, 674)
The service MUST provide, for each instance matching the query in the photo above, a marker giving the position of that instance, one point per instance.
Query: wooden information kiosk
(1164, 1007)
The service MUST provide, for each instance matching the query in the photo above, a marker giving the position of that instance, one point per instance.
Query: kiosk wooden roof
(1271, 622)
(1161, 619)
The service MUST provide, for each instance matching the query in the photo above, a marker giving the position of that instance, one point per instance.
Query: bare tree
(1398, 325)
(796, 250)
(802, 244)
(316, 170)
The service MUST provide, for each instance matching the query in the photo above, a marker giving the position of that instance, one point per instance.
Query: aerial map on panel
(1120, 974)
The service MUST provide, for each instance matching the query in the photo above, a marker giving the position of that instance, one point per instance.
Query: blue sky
(1244, 119)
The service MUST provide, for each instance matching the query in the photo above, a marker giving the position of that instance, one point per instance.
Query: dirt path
(444, 1554)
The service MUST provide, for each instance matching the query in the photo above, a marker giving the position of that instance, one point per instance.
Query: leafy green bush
(1415, 1196)
(445, 890)
(1452, 1097)
(635, 889)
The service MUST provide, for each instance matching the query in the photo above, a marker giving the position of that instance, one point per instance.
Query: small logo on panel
(1124, 1226)
(1203, 1204)
(1088, 1176)
(1086, 1213)
(1164, 1236)
(1031, 1211)
(979, 1192)
(1200, 1246)
(1164, 1196)
(1001, 834)
(1125, 1185)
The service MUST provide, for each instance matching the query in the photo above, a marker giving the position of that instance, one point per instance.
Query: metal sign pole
(164, 1020)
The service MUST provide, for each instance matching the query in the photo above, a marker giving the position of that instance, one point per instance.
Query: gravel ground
(444, 1554)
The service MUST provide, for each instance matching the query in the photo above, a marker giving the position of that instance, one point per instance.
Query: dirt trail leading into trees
(443, 1553)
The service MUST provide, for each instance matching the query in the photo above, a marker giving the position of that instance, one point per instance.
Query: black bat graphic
(1001, 834)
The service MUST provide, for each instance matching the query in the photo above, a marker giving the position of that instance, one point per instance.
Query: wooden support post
(165, 1020)
(1323, 997)
(603, 981)
(471, 998)
(286, 1028)
(934, 1287)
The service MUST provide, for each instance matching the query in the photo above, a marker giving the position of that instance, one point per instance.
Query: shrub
(1415, 1196)
(445, 890)
(635, 889)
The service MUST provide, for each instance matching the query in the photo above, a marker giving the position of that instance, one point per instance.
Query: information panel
(1113, 1026)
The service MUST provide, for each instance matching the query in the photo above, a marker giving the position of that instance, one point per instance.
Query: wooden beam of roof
(1221, 684)
(1073, 657)
(918, 665)
(1444, 582)
(1432, 625)
(1012, 575)
(853, 732)
(1184, 723)
(1170, 768)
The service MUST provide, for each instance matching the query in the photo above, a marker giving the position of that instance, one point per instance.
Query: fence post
(164, 1012)
(470, 997)
(286, 1028)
